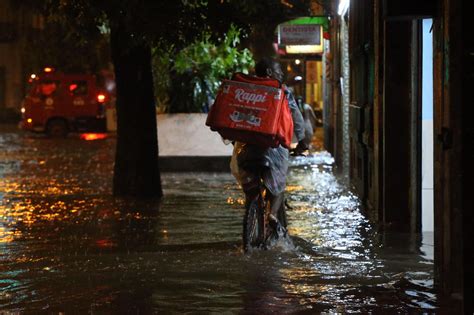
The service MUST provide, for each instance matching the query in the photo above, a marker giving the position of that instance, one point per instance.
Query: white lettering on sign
(248, 97)
(303, 34)
(78, 102)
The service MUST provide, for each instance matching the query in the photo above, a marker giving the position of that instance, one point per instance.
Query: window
(78, 88)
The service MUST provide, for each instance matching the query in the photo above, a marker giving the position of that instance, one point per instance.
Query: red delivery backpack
(253, 110)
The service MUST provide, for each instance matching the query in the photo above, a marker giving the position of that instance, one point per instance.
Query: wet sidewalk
(67, 246)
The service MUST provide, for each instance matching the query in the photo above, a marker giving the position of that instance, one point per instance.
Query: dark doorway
(3, 87)
(427, 163)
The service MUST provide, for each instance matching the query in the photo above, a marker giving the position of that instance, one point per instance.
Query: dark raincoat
(275, 158)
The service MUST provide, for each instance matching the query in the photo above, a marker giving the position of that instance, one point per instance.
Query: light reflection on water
(67, 245)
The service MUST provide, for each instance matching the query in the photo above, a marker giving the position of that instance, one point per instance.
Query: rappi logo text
(243, 96)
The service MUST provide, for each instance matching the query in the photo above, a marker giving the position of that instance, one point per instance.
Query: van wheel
(57, 128)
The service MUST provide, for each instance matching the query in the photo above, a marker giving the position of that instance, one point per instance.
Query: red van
(58, 103)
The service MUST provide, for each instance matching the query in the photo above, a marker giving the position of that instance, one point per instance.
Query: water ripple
(66, 245)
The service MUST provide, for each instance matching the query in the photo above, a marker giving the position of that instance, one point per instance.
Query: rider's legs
(277, 202)
(251, 190)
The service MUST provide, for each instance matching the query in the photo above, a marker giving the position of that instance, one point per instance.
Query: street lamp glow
(297, 61)
(33, 76)
(343, 7)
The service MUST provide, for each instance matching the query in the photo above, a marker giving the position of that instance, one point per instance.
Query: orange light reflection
(93, 136)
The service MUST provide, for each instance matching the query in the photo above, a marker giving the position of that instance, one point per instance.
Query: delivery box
(252, 110)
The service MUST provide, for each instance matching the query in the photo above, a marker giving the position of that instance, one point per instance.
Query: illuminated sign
(299, 34)
(304, 49)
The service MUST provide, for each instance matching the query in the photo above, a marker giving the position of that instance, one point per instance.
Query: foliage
(161, 67)
(197, 70)
(58, 44)
(137, 25)
(169, 26)
(66, 51)
(144, 21)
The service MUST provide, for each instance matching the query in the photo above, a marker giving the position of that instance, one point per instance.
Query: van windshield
(47, 88)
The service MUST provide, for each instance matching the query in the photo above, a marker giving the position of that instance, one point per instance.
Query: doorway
(3, 87)
(427, 152)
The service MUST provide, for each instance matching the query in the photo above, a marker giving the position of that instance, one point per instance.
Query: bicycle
(259, 224)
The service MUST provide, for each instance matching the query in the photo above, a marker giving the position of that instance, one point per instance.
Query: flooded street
(67, 246)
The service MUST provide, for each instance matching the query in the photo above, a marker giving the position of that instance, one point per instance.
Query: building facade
(18, 25)
(387, 46)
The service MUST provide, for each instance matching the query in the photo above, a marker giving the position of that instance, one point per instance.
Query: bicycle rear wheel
(253, 225)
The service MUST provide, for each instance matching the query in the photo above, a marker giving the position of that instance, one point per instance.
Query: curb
(194, 163)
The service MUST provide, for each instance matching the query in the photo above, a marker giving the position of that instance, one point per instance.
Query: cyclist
(275, 160)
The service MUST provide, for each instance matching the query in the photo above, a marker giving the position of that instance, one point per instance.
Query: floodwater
(67, 246)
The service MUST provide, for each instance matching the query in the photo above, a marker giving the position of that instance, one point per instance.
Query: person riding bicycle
(275, 160)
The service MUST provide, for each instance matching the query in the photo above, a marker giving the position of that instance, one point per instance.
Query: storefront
(302, 47)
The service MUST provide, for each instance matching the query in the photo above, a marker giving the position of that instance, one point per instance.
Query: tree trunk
(136, 172)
